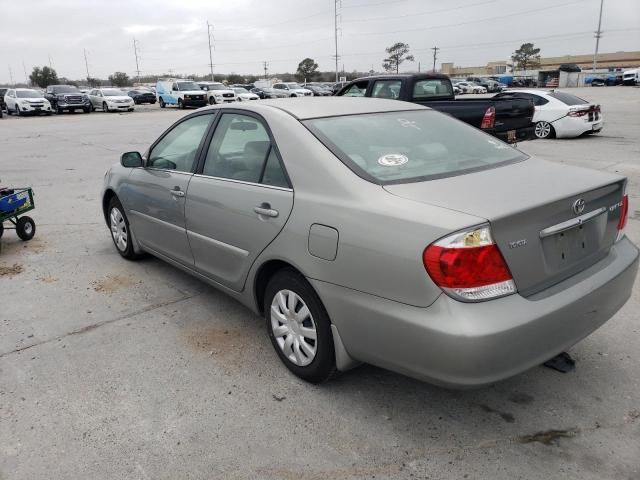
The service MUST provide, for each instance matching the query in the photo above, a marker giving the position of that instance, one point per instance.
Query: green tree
(526, 57)
(43, 77)
(234, 78)
(94, 82)
(397, 55)
(119, 79)
(307, 70)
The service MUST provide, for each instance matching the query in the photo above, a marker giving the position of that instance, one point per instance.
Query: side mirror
(131, 160)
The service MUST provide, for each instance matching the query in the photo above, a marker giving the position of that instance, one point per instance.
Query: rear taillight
(489, 118)
(624, 213)
(578, 113)
(468, 266)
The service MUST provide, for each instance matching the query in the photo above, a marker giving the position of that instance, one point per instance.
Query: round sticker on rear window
(393, 160)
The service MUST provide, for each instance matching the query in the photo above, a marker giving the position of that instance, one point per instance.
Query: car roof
(319, 107)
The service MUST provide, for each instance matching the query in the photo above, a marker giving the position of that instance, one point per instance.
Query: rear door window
(386, 89)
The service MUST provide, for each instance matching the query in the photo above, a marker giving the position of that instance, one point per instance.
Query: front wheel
(105, 108)
(180, 104)
(299, 327)
(18, 112)
(544, 130)
(212, 101)
(25, 228)
(87, 110)
(162, 104)
(120, 233)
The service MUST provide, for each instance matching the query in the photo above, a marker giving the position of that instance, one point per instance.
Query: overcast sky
(173, 34)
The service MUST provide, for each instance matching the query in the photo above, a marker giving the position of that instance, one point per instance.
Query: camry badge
(578, 206)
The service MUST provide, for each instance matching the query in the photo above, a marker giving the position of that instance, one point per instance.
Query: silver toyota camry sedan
(378, 231)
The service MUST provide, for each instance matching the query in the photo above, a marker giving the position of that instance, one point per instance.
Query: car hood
(191, 92)
(118, 97)
(220, 92)
(34, 100)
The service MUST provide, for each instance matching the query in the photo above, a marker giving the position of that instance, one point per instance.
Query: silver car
(380, 231)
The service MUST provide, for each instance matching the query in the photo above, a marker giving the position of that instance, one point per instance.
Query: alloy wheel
(293, 327)
(543, 129)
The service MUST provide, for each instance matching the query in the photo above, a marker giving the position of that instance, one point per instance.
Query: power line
(435, 55)
(417, 14)
(598, 35)
(535, 10)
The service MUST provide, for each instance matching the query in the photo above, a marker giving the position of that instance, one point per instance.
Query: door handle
(176, 192)
(265, 210)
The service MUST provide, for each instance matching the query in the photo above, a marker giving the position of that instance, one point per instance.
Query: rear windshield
(568, 99)
(409, 146)
(432, 87)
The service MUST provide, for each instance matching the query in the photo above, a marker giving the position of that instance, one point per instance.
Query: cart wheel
(25, 228)
(1, 229)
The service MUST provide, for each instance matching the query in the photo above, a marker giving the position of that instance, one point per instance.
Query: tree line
(527, 57)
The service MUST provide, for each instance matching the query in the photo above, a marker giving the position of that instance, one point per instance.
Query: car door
(155, 195)
(10, 100)
(239, 199)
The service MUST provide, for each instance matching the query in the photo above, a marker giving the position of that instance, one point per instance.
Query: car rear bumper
(568, 127)
(473, 344)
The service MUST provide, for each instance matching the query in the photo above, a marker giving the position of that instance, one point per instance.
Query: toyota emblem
(578, 206)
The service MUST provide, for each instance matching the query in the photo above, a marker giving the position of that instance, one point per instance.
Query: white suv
(293, 89)
(25, 100)
(217, 92)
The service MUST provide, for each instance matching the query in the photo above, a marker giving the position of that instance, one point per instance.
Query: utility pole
(86, 64)
(26, 78)
(265, 66)
(418, 67)
(435, 55)
(598, 35)
(209, 28)
(135, 52)
(50, 65)
(11, 75)
(335, 32)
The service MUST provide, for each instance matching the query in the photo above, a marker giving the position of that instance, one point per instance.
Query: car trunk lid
(550, 221)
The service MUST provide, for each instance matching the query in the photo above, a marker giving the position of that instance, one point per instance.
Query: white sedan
(470, 87)
(559, 114)
(110, 99)
(242, 94)
(22, 101)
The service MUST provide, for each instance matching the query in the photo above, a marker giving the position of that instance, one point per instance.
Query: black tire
(212, 101)
(59, 111)
(162, 104)
(127, 252)
(1, 225)
(87, 109)
(18, 112)
(323, 365)
(93, 109)
(180, 104)
(544, 130)
(153, 103)
(104, 107)
(25, 228)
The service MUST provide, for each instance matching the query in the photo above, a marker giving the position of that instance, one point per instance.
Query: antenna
(86, 64)
(209, 28)
(435, 55)
(135, 52)
(598, 34)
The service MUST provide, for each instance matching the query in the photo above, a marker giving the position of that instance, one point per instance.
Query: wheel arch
(106, 199)
(265, 272)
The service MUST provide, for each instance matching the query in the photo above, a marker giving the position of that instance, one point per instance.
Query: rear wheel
(299, 327)
(25, 228)
(544, 130)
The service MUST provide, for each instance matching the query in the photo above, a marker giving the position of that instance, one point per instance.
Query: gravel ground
(119, 370)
